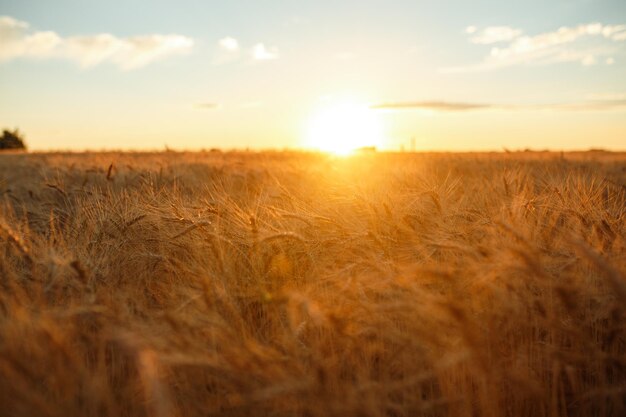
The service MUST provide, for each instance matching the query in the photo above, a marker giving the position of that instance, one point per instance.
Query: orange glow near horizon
(343, 127)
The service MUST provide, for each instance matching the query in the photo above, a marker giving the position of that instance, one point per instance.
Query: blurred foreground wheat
(286, 284)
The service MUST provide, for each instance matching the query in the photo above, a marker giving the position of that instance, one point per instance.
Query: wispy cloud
(443, 106)
(261, 53)
(585, 44)
(595, 102)
(589, 105)
(18, 41)
(494, 34)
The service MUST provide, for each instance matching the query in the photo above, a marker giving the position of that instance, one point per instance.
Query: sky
(445, 75)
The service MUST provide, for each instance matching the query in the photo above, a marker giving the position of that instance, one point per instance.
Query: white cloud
(11, 28)
(261, 53)
(620, 36)
(127, 53)
(470, 29)
(17, 41)
(610, 61)
(584, 44)
(494, 34)
(229, 50)
(229, 44)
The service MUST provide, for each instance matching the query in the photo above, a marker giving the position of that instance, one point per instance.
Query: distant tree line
(12, 139)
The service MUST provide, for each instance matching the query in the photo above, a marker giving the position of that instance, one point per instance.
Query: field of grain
(294, 284)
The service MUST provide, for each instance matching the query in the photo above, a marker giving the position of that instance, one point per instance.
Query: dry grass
(280, 284)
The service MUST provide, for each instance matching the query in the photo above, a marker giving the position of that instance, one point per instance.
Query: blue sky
(198, 74)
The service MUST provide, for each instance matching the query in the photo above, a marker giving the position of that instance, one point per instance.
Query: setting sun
(343, 127)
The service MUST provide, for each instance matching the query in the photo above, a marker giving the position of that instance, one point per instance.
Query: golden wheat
(296, 284)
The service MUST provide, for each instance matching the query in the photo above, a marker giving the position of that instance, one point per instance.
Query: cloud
(494, 34)
(15, 41)
(18, 41)
(584, 44)
(126, 53)
(230, 50)
(597, 105)
(443, 106)
(261, 53)
(229, 44)
(471, 29)
(597, 102)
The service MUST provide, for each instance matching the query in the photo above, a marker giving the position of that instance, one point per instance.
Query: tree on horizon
(12, 139)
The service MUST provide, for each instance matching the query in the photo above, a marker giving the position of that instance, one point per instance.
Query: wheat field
(299, 284)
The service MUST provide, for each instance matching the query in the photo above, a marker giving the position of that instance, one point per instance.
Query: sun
(343, 127)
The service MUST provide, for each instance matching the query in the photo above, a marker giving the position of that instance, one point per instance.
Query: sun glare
(344, 127)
